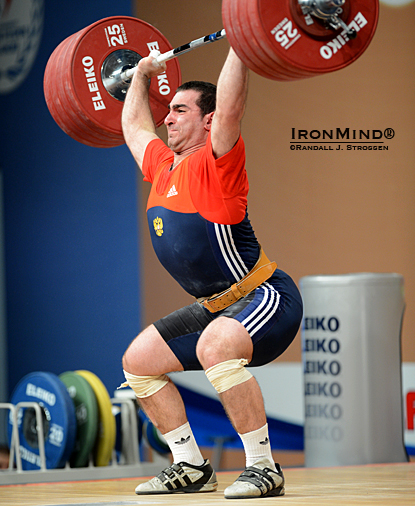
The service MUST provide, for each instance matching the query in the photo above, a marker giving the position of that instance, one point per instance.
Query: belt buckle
(206, 304)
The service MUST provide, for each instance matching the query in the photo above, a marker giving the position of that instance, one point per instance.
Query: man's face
(186, 127)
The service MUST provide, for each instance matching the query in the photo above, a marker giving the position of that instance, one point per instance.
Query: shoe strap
(171, 477)
(258, 477)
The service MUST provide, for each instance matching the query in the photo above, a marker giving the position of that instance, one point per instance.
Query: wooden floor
(386, 484)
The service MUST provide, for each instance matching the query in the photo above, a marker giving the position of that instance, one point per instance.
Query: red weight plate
(96, 44)
(302, 51)
(252, 13)
(52, 85)
(50, 78)
(95, 130)
(278, 71)
(75, 130)
(73, 87)
(236, 36)
(243, 39)
(92, 133)
(56, 101)
(293, 72)
(60, 106)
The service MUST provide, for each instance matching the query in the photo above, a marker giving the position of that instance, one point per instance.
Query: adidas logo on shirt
(172, 192)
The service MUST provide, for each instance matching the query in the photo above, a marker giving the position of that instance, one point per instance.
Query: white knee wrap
(144, 386)
(228, 374)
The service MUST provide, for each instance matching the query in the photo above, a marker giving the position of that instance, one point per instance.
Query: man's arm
(230, 104)
(137, 120)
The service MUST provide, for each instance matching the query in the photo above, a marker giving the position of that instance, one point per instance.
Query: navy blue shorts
(271, 314)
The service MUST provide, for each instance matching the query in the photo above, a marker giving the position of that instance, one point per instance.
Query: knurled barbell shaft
(173, 53)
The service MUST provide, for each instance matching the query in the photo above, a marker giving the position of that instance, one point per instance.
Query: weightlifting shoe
(262, 479)
(182, 477)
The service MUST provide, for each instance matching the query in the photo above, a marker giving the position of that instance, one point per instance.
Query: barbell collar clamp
(336, 23)
(328, 11)
(322, 9)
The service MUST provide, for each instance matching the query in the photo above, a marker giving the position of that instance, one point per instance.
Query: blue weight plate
(154, 437)
(59, 421)
(140, 423)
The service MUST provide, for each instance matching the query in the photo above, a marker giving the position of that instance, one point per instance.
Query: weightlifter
(246, 312)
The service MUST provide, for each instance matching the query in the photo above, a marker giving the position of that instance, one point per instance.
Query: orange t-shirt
(197, 216)
(215, 188)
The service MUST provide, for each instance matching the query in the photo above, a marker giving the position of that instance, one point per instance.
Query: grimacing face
(186, 127)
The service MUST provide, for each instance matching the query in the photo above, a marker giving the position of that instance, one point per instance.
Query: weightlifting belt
(261, 271)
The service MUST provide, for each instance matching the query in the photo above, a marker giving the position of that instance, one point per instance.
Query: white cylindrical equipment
(351, 346)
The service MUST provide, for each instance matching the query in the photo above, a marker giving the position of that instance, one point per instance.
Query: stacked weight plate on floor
(87, 417)
(106, 435)
(58, 417)
(278, 41)
(154, 437)
(80, 84)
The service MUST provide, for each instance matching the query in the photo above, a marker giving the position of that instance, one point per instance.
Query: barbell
(87, 76)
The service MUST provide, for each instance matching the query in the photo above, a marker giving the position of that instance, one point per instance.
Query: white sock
(183, 446)
(256, 445)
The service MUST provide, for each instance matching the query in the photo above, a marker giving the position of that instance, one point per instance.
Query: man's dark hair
(207, 98)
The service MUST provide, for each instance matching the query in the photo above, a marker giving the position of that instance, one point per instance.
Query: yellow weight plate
(107, 431)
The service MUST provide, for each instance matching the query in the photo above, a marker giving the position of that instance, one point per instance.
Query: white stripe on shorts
(266, 309)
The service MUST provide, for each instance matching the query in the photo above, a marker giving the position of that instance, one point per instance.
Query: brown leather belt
(261, 271)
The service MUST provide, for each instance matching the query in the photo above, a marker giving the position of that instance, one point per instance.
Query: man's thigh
(182, 329)
(149, 355)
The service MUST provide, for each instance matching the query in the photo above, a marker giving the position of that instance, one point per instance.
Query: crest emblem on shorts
(158, 226)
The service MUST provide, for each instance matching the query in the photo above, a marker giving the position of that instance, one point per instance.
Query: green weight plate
(87, 420)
